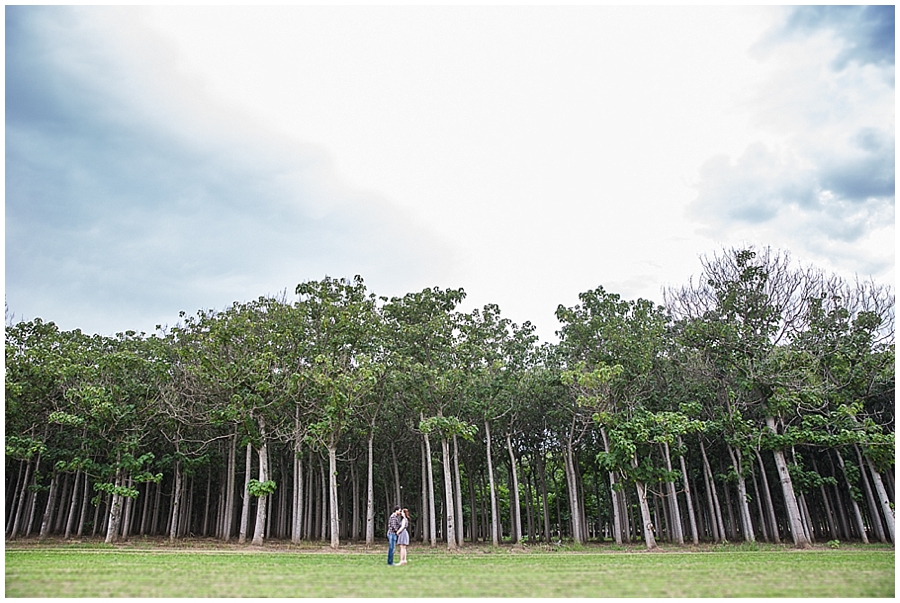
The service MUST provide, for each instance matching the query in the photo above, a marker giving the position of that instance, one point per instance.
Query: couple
(398, 533)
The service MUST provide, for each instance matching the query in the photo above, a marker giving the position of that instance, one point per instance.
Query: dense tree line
(757, 403)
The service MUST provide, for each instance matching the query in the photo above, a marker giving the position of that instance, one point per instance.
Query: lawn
(45, 571)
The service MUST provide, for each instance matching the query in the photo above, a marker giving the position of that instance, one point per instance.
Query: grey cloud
(867, 172)
(841, 195)
(867, 32)
(752, 190)
(115, 218)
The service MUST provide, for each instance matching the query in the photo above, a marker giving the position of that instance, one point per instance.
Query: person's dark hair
(396, 508)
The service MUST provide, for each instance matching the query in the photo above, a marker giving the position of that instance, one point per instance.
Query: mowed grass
(73, 572)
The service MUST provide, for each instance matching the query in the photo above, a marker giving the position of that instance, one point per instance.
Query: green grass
(99, 571)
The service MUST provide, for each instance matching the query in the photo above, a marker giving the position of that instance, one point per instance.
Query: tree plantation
(756, 404)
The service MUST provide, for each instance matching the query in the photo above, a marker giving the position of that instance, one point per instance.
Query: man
(393, 526)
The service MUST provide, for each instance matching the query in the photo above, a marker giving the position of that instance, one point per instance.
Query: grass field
(154, 571)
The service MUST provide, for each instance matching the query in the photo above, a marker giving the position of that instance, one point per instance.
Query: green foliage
(258, 489)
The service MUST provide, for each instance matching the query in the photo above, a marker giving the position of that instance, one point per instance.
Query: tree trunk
(228, 521)
(715, 509)
(47, 519)
(176, 503)
(297, 503)
(426, 528)
(20, 507)
(333, 496)
(870, 498)
(354, 477)
(882, 498)
(857, 515)
(495, 519)
(692, 520)
(323, 504)
(370, 495)
(767, 492)
(129, 505)
(458, 516)
(515, 508)
(544, 498)
(61, 509)
(614, 496)
(743, 506)
(448, 495)
(245, 509)
(787, 489)
(762, 515)
(647, 529)
(677, 531)
(829, 513)
(473, 510)
(432, 515)
(85, 500)
(574, 501)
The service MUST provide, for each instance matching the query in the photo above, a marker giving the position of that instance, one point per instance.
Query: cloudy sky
(166, 159)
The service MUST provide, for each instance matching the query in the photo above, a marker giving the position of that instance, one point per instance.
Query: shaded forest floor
(160, 543)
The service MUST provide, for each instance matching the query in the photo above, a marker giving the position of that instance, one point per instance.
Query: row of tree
(757, 403)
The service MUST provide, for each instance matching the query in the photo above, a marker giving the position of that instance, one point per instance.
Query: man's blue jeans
(392, 543)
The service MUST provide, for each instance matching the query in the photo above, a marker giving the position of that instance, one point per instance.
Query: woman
(403, 535)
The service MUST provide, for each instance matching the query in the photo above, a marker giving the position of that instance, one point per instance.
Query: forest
(755, 404)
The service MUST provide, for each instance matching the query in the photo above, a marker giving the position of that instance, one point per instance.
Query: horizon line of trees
(756, 403)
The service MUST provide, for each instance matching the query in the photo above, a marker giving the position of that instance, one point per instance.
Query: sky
(166, 159)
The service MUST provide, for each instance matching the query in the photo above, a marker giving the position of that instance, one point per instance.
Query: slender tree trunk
(323, 504)
(715, 509)
(426, 527)
(677, 532)
(870, 498)
(448, 495)
(647, 529)
(397, 494)
(370, 494)
(228, 521)
(857, 515)
(692, 520)
(529, 504)
(882, 498)
(145, 509)
(544, 498)
(614, 496)
(495, 519)
(432, 515)
(770, 507)
(129, 506)
(743, 505)
(176, 504)
(17, 494)
(154, 524)
(787, 488)
(23, 496)
(829, 513)
(458, 515)
(515, 509)
(85, 501)
(762, 515)
(63, 496)
(259, 529)
(473, 510)
(205, 528)
(574, 501)
(333, 496)
(48, 510)
(354, 477)
(245, 510)
(32, 500)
